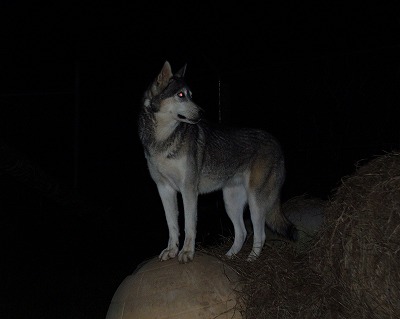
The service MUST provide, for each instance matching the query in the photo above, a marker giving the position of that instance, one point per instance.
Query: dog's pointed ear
(181, 72)
(161, 81)
(165, 75)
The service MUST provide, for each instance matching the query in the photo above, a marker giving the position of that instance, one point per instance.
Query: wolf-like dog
(187, 154)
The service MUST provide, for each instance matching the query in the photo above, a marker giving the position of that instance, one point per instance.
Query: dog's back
(229, 153)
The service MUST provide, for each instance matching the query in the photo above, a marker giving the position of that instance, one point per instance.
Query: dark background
(78, 208)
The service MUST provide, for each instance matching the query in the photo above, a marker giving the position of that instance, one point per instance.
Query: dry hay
(276, 285)
(362, 239)
(352, 266)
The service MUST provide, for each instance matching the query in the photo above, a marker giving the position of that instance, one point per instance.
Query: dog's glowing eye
(181, 94)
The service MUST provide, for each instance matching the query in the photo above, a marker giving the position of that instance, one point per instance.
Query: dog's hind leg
(265, 208)
(235, 198)
(257, 214)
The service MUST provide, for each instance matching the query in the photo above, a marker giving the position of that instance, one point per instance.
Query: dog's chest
(162, 169)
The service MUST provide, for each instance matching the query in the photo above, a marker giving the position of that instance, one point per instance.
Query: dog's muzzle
(187, 120)
(192, 117)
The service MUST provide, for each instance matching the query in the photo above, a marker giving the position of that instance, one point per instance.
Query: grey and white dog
(188, 155)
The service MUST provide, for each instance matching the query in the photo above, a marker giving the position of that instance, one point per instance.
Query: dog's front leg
(169, 200)
(189, 198)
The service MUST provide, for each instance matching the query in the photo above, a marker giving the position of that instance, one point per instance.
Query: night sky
(78, 208)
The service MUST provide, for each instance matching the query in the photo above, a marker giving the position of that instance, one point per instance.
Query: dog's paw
(232, 252)
(185, 256)
(168, 253)
(230, 255)
(252, 256)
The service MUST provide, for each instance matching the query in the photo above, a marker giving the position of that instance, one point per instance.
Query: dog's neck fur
(164, 126)
(155, 139)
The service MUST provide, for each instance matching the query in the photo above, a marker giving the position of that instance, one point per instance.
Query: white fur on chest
(168, 170)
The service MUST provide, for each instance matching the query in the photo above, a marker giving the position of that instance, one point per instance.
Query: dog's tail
(278, 223)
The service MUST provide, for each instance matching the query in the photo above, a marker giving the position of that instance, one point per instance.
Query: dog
(190, 155)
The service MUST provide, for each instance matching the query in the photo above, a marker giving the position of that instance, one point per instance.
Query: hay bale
(352, 266)
(359, 248)
(278, 284)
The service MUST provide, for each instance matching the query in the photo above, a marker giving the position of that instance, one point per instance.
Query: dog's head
(170, 97)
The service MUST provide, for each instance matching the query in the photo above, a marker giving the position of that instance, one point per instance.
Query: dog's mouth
(186, 120)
